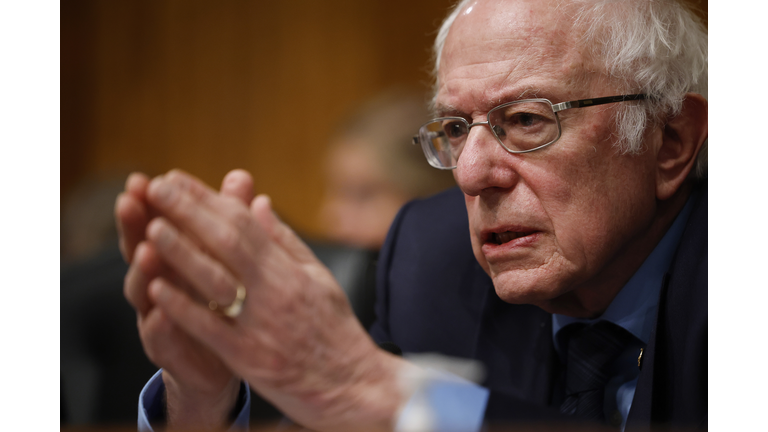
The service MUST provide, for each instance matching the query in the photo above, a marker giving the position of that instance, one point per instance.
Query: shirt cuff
(444, 402)
(152, 405)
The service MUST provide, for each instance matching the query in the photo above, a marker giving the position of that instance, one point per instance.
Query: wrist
(187, 407)
(375, 393)
(362, 394)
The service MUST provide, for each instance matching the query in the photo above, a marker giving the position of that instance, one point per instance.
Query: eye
(530, 117)
(523, 119)
(526, 119)
(454, 129)
(524, 125)
(499, 131)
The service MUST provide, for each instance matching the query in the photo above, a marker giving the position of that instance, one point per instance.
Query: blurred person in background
(372, 169)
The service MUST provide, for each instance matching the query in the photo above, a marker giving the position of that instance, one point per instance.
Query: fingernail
(161, 233)
(267, 202)
(156, 290)
(161, 191)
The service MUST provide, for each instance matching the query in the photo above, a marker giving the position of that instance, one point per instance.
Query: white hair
(655, 47)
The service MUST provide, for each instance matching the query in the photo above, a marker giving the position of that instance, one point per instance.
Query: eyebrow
(445, 110)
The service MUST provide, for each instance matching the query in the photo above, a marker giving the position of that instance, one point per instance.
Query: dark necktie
(590, 351)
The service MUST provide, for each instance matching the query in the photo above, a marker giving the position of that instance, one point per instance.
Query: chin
(521, 287)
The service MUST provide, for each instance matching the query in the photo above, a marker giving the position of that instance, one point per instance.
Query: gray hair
(656, 47)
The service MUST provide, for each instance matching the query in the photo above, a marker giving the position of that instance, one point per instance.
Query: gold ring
(235, 308)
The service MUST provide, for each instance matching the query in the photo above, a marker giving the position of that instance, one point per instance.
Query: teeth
(505, 237)
(500, 238)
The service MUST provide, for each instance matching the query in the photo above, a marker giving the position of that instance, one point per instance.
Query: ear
(682, 139)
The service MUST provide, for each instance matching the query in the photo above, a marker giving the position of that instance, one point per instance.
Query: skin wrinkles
(504, 96)
(497, 86)
(592, 234)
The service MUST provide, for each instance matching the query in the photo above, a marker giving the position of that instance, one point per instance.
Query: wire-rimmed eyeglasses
(520, 127)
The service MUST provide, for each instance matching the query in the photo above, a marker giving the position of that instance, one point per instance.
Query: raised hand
(201, 390)
(296, 341)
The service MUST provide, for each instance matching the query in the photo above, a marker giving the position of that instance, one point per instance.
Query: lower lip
(492, 249)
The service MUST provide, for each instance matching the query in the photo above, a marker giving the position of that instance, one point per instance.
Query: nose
(484, 163)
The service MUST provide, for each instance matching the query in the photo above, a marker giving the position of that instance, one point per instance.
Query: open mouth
(507, 236)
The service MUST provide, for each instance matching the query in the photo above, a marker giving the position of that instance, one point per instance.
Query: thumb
(238, 184)
(282, 234)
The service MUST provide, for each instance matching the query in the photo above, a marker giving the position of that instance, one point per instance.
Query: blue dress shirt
(152, 405)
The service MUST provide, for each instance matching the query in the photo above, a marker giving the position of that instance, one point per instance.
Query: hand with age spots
(296, 342)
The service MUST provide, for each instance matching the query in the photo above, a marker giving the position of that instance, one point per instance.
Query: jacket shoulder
(427, 279)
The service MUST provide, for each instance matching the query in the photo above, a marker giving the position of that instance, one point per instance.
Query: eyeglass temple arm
(415, 138)
(598, 101)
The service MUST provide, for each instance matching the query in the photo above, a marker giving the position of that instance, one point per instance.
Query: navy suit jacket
(433, 296)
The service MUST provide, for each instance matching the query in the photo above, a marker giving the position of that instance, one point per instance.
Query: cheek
(602, 205)
(591, 194)
(476, 244)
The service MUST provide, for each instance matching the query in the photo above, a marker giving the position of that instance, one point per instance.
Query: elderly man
(577, 135)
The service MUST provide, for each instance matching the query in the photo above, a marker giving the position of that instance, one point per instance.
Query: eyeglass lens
(518, 126)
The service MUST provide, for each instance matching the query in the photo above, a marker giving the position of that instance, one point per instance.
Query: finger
(169, 347)
(147, 265)
(155, 330)
(136, 185)
(282, 234)
(131, 214)
(216, 333)
(238, 184)
(131, 217)
(211, 279)
(223, 225)
(184, 182)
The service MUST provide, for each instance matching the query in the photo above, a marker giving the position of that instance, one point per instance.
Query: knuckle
(145, 259)
(175, 176)
(134, 291)
(221, 283)
(186, 183)
(240, 217)
(228, 239)
(166, 240)
(173, 247)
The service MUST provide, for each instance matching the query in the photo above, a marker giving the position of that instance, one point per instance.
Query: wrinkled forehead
(509, 42)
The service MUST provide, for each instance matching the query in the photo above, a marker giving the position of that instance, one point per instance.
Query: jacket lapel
(515, 344)
(641, 412)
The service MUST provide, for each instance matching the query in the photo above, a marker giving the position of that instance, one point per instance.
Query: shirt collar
(634, 307)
